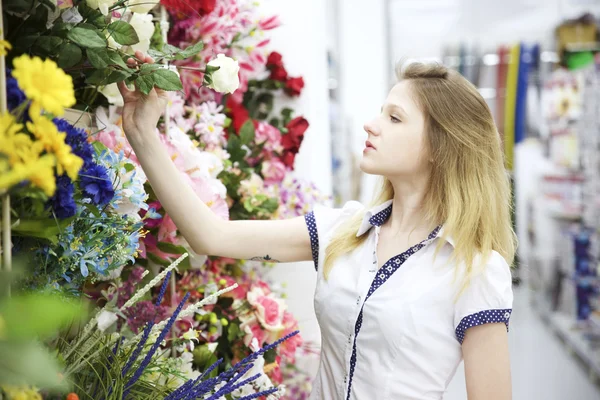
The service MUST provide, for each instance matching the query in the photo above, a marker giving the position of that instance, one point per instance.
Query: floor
(542, 368)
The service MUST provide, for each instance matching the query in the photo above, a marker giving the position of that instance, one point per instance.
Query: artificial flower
(102, 5)
(14, 95)
(21, 392)
(63, 203)
(191, 335)
(112, 94)
(239, 114)
(185, 8)
(292, 140)
(279, 73)
(106, 319)
(77, 139)
(274, 60)
(144, 27)
(269, 309)
(141, 6)
(4, 47)
(225, 79)
(96, 184)
(273, 171)
(294, 86)
(44, 83)
(53, 142)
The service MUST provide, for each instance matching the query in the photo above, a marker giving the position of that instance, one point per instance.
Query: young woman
(407, 287)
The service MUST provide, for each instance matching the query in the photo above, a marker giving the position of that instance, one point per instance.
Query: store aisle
(542, 369)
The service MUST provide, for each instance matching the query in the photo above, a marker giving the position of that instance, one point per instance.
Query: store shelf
(564, 327)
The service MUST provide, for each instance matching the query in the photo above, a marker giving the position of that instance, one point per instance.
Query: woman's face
(395, 145)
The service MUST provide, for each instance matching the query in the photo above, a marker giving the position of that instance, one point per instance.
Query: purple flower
(62, 202)
(77, 139)
(14, 95)
(96, 184)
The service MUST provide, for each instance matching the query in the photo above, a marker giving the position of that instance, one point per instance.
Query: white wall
(301, 42)
(364, 72)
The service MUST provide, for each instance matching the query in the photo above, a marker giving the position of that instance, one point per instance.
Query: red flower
(275, 60)
(288, 159)
(189, 8)
(278, 73)
(72, 396)
(292, 140)
(294, 86)
(239, 115)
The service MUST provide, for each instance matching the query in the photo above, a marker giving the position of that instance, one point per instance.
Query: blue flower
(63, 202)
(96, 184)
(14, 95)
(77, 139)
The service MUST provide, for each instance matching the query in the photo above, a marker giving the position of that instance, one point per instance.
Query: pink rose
(253, 330)
(269, 135)
(273, 171)
(269, 309)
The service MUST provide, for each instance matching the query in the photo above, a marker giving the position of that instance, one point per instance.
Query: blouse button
(358, 300)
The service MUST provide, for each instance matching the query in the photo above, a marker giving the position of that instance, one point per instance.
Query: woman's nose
(371, 128)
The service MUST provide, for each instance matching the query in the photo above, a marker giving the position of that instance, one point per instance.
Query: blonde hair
(469, 189)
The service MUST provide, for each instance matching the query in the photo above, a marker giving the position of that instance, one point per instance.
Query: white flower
(141, 6)
(225, 79)
(102, 5)
(72, 16)
(144, 27)
(112, 94)
(190, 336)
(106, 319)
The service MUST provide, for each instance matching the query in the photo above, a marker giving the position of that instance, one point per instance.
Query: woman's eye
(394, 119)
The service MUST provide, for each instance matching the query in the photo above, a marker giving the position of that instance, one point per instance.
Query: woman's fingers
(128, 95)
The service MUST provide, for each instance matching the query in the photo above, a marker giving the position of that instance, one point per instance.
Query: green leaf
(99, 147)
(247, 132)
(107, 76)
(157, 260)
(17, 6)
(48, 44)
(145, 83)
(26, 41)
(88, 38)
(115, 58)
(37, 316)
(61, 29)
(69, 55)
(270, 356)
(233, 332)
(167, 80)
(44, 228)
(156, 41)
(148, 68)
(98, 57)
(48, 4)
(129, 167)
(171, 248)
(30, 364)
(189, 51)
(123, 33)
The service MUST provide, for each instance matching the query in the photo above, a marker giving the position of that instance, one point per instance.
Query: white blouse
(396, 333)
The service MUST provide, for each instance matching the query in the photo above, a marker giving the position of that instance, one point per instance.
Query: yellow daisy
(4, 47)
(53, 141)
(44, 83)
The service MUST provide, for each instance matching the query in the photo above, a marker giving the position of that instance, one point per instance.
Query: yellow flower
(44, 83)
(21, 392)
(4, 47)
(53, 141)
(39, 172)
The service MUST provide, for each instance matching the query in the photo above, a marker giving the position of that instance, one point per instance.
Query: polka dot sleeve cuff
(481, 318)
(311, 224)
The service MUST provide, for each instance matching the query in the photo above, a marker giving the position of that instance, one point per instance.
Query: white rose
(141, 6)
(144, 27)
(106, 319)
(112, 94)
(226, 79)
(102, 5)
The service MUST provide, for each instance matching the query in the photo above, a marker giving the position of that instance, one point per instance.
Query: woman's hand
(141, 112)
